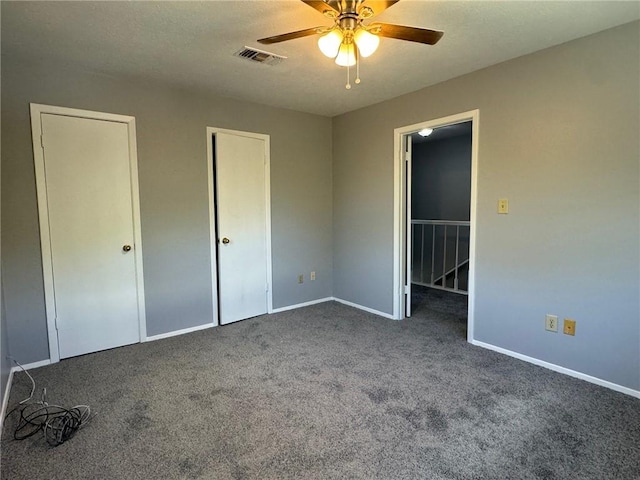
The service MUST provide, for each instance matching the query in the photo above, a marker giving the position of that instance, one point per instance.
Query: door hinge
(55, 322)
(42, 141)
(406, 289)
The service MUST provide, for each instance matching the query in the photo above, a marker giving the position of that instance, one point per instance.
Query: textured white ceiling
(190, 44)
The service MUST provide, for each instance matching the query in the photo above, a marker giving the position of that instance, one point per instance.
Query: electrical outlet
(300, 278)
(551, 323)
(569, 326)
(312, 277)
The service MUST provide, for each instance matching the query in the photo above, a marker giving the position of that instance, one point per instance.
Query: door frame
(400, 236)
(43, 212)
(213, 235)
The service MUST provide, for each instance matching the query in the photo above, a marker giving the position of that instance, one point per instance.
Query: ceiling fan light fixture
(329, 43)
(346, 55)
(348, 38)
(367, 42)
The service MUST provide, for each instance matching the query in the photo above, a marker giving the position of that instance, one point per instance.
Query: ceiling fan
(348, 38)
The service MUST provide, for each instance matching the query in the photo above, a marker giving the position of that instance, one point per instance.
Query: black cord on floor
(57, 423)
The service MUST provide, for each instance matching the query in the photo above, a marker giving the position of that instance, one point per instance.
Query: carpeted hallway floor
(328, 392)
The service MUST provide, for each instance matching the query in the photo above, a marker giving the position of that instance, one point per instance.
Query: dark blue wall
(441, 187)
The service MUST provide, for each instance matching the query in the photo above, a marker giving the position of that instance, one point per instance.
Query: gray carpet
(328, 392)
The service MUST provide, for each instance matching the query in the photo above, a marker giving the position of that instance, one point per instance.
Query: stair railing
(446, 263)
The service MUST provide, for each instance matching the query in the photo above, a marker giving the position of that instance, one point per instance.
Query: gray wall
(441, 174)
(173, 189)
(559, 138)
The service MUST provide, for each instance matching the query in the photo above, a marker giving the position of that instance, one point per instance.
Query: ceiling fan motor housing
(348, 22)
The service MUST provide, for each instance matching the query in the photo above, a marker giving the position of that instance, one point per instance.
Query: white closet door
(89, 199)
(242, 241)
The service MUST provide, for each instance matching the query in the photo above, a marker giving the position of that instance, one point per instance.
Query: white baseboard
(559, 369)
(5, 400)
(366, 309)
(301, 305)
(339, 300)
(32, 365)
(178, 332)
(7, 390)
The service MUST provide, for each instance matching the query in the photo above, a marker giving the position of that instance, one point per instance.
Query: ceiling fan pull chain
(357, 66)
(348, 85)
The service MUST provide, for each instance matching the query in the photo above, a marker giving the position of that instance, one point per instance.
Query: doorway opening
(434, 213)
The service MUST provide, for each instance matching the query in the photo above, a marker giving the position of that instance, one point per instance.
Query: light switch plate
(503, 206)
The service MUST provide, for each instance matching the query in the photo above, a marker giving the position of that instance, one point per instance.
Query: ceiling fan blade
(332, 6)
(412, 34)
(378, 6)
(292, 35)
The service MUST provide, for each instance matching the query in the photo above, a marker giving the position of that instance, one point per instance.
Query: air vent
(259, 56)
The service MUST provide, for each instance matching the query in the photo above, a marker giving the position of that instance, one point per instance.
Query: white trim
(174, 333)
(137, 227)
(213, 239)
(398, 214)
(408, 241)
(399, 206)
(473, 216)
(7, 390)
(43, 215)
(366, 309)
(301, 305)
(559, 369)
(32, 365)
(5, 400)
(267, 194)
(45, 241)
